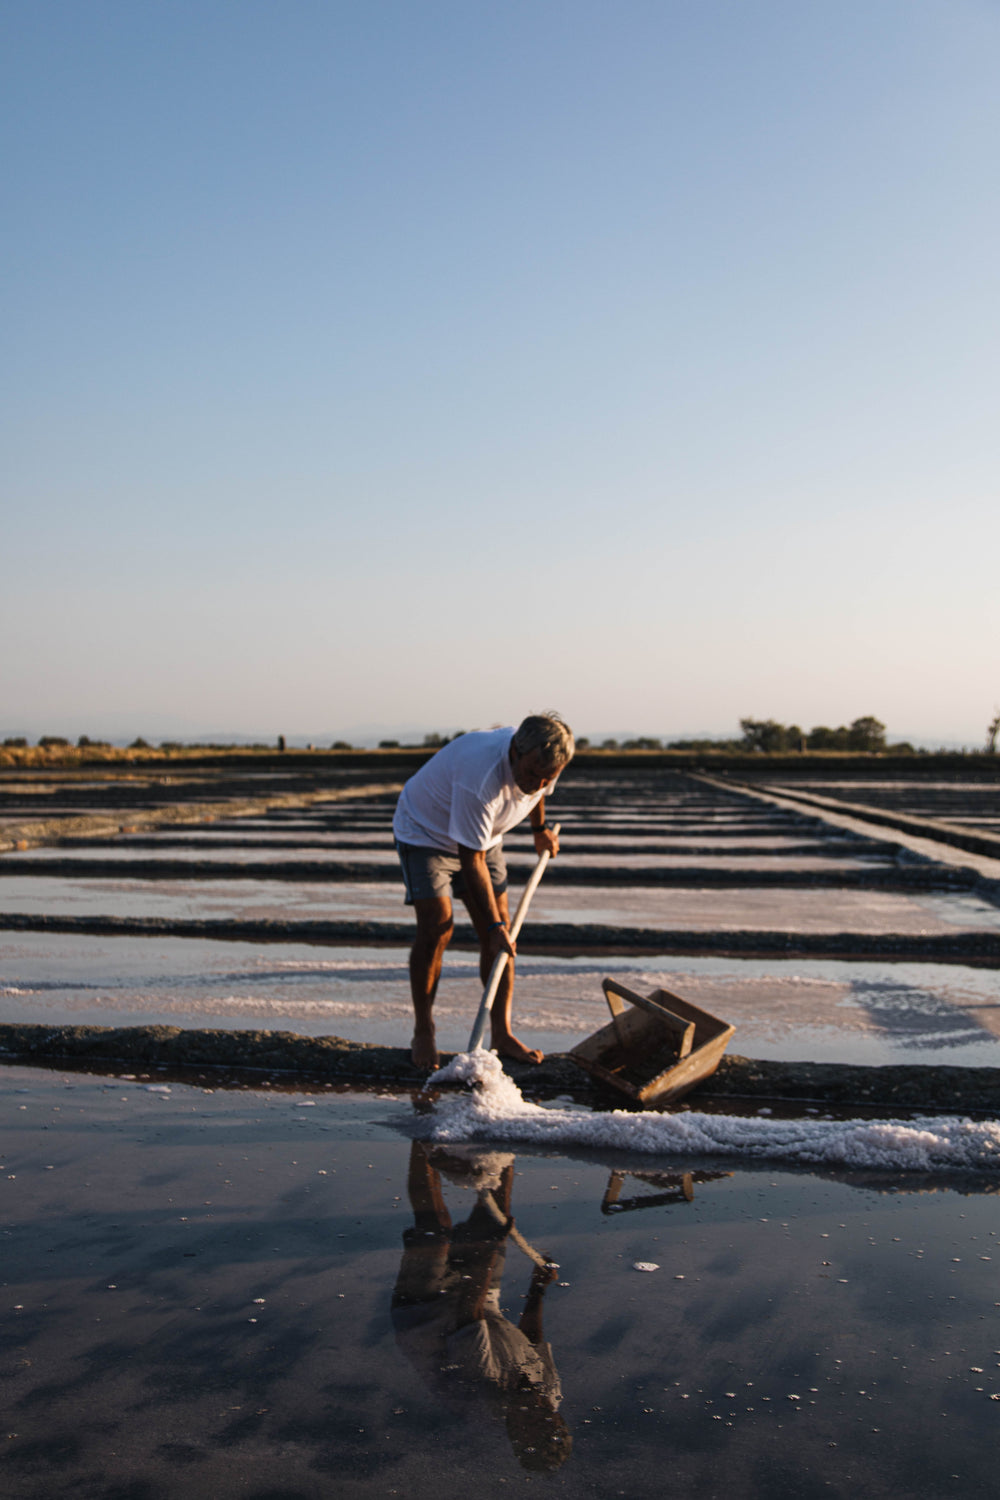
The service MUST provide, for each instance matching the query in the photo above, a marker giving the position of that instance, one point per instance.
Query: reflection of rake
(488, 1201)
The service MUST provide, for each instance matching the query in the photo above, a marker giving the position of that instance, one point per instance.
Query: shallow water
(684, 908)
(784, 1009)
(200, 1294)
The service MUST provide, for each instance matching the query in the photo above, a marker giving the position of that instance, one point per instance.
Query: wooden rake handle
(500, 962)
(544, 1262)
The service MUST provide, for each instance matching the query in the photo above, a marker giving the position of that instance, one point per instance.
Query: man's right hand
(500, 941)
(546, 841)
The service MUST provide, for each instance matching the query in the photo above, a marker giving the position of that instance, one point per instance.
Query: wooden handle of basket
(616, 995)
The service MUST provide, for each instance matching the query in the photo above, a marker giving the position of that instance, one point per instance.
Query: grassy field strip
(102, 825)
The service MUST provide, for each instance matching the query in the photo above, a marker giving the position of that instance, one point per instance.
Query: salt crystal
(493, 1108)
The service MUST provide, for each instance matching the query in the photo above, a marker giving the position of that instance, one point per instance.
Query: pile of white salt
(492, 1108)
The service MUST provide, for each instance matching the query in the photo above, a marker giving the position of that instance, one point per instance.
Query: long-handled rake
(500, 962)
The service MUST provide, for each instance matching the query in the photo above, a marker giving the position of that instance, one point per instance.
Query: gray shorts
(431, 872)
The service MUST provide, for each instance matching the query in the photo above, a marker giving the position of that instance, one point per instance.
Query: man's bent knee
(434, 940)
(435, 924)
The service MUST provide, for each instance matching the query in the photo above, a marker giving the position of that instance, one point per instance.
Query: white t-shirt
(465, 794)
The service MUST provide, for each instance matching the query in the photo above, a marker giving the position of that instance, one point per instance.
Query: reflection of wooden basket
(674, 1188)
(657, 1048)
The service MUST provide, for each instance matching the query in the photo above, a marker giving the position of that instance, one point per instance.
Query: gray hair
(548, 734)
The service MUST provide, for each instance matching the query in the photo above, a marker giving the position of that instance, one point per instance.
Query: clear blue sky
(415, 365)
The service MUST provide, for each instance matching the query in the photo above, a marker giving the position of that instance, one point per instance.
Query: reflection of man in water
(446, 1305)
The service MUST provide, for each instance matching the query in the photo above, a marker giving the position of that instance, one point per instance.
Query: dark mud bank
(964, 947)
(331, 1058)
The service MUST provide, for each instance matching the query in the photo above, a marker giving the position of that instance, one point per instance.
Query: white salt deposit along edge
(495, 1110)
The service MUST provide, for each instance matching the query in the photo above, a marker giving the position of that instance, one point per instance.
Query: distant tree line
(431, 742)
(865, 736)
(644, 742)
(766, 736)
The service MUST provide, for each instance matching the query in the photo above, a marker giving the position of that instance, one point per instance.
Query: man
(449, 827)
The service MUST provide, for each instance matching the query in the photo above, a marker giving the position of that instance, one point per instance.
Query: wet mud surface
(295, 1057)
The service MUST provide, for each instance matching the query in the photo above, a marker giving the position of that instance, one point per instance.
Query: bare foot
(509, 1046)
(423, 1051)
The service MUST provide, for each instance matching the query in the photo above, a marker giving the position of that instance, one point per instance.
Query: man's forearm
(479, 889)
(545, 840)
